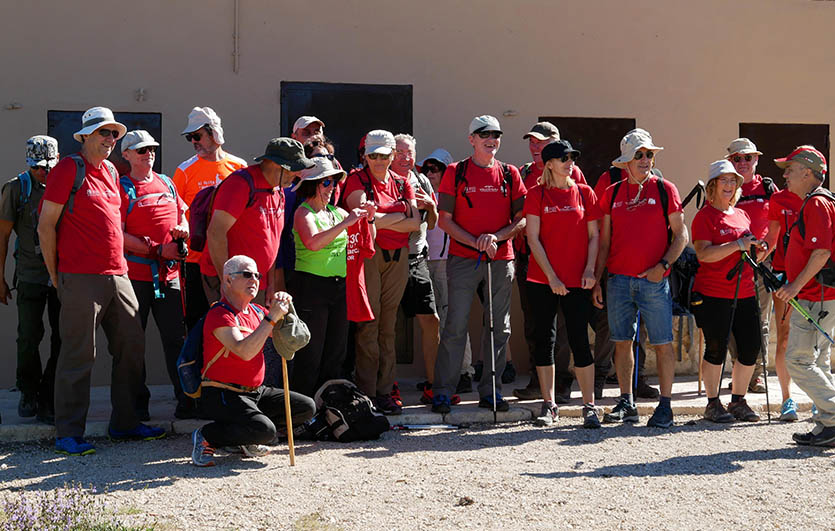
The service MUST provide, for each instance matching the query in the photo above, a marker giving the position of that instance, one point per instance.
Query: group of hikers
(248, 252)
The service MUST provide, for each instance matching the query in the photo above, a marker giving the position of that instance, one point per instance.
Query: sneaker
(662, 417)
(203, 454)
(426, 396)
(73, 446)
(509, 373)
(254, 450)
(465, 384)
(386, 405)
(814, 410)
(142, 432)
(487, 402)
(455, 400)
(757, 385)
(716, 412)
(803, 439)
(826, 437)
(548, 415)
(440, 404)
(644, 390)
(395, 395)
(27, 407)
(479, 370)
(531, 392)
(742, 411)
(622, 412)
(591, 417)
(422, 386)
(788, 411)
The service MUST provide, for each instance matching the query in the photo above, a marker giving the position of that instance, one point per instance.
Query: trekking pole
(287, 413)
(763, 350)
(637, 350)
(738, 270)
(492, 340)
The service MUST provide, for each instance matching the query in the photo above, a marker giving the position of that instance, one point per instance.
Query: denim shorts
(626, 296)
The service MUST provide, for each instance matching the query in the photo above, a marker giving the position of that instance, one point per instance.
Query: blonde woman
(562, 233)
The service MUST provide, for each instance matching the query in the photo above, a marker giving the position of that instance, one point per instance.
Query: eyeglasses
(248, 274)
(569, 156)
(146, 149)
(740, 158)
(641, 154)
(489, 134)
(378, 156)
(108, 132)
(197, 135)
(325, 155)
(727, 180)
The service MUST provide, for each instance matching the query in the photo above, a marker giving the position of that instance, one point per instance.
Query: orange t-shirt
(195, 174)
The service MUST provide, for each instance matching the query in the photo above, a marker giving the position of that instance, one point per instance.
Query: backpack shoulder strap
(130, 190)
(243, 172)
(111, 169)
(665, 205)
(366, 184)
(168, 182)
(25, 188)
(461, 176)
(616, 178)
(525, 170)
(769, 186)
(80, 171)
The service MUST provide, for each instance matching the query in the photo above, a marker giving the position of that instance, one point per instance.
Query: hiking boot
(509, 373)
(622, 412)
(465, 384)
(826, 437)
(186, 409)
(548, 415)
(644, 390)
(662, 417)
(73, 446)
(757, 385)
(741, 411)
(426, 396)
(203, 453)
(803, 439)
(788, 411)
(422, 386)
(441, 404)
(387, 405)
(395, 395)
(716, 412)
(487, 402)
(479, 370)
(142, 432)
(27, 407)
(591, 417)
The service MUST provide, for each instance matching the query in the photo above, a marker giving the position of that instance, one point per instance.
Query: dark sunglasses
(197, 135)
(569, 156)
(429, 168)
(740, 158)
(315, 143)
(143, 150)
(490, 134)
(378, 156)
(326, 155)
(327, 182)
(108, 132)
(641, 154)
(248, 274)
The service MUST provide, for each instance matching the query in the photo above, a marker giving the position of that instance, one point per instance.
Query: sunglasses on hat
(489, 134)
(641, 154)
(740, 158)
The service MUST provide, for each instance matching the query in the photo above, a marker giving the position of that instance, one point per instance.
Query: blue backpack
(190, 362)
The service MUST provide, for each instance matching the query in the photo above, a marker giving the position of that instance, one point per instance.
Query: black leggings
(713, 316)
(577, 309)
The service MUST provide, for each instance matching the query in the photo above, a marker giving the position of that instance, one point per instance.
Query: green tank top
(330, 260)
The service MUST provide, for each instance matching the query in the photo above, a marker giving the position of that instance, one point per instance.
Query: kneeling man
(245, 412)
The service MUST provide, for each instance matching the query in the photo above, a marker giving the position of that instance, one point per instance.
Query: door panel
(778, 140)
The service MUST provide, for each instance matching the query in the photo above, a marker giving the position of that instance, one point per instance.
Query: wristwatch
(665, 264)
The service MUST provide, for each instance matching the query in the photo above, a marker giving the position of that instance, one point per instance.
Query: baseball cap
(41, 151)
(379, 141)
(304, 121)
(543, 130)
(204, 116)
(138, 139)
(557, 150)
(484, 123)
(809, 156)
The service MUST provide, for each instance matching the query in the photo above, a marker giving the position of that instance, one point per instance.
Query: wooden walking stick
(287, 413)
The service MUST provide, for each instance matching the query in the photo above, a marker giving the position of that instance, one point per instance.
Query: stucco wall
(687, 71)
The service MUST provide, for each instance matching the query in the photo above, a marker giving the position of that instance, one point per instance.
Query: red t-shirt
(712, 225)
(90, 239)
(491, 208)
(563, 230)
(154, 214)
(639, 232)
(256, 232)
(360, 247)
(385, 193)
(784, 208)
(229, 367)
(757, 209)
(818, 215)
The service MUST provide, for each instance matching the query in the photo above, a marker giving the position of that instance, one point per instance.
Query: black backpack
(826, 276)
(682, 275)
(768, 185)
(344, 414)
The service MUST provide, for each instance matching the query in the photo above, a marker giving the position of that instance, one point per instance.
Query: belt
(229, 386)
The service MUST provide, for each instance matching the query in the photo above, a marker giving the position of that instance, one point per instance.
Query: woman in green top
(319, 233)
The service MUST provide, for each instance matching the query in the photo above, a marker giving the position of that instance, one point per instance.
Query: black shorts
(418, 298)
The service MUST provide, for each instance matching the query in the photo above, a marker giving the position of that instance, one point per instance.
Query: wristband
(740, 245)
(372, 220)
(272, 323)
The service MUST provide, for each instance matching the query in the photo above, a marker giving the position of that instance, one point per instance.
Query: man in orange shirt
(209, 166)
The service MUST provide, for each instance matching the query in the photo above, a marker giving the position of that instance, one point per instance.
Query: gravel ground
(513, 476)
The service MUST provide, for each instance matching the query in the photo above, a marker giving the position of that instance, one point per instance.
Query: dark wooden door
(778, 140)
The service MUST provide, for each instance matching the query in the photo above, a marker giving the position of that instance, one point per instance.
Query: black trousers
(196, 303)
(713, 316)
(321, 304)
(32, 379)
(577, 309)
(249, 418)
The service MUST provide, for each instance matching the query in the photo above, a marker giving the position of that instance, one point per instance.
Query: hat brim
(384, 150)
(739, 178)
(427, 159)
(486, 129)
(90, 129)
(320, 122)
(320, 176)
(289, 165)
(621, 161)
(782, 163)
(538, 136)
(744, 152)
(141, 145)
